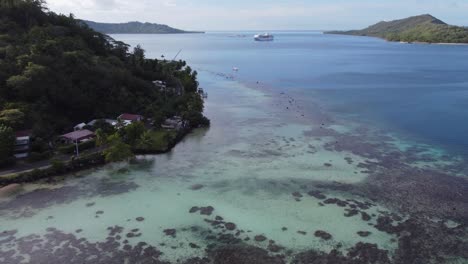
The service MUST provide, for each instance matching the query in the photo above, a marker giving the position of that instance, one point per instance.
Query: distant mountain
(134, 28)
(424, 28)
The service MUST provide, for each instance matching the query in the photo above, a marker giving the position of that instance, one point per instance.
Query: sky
(211, 15)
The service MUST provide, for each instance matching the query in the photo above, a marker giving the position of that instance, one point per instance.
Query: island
(135, 27)
(71, 97)
(422, 29)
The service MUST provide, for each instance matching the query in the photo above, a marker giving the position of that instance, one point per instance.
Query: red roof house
(130, 117)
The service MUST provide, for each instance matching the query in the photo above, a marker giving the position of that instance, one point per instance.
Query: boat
(264, 37)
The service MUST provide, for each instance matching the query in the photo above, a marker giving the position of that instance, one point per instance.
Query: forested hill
(424, 28)
(56, 72)
(134, 28)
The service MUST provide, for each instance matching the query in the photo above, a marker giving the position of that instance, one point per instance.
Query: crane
(177, 55)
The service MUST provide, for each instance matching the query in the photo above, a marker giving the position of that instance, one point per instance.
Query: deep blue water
(420, 91)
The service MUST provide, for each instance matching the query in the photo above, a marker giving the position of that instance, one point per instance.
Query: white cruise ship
(264, 37)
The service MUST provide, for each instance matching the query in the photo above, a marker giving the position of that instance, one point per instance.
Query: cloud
(260, 14)
(171, 3)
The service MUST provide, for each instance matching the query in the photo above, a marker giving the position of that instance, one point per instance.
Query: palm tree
(101, 138)
(146, 140)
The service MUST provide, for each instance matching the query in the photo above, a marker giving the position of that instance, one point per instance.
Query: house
(130, 118)
(173, 123)
(79, 126)
(78, 136)
(111, 122)
(22, 144)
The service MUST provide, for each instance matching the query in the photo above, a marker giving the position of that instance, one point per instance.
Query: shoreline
(82, 163)
(399, 41)
(428, 43)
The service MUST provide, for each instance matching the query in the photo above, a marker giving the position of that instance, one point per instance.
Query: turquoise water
(288, 166)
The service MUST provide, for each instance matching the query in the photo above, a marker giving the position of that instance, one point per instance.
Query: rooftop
(131, 117)
(23, 133)
(78, 135)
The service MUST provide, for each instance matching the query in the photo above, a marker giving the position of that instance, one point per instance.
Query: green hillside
(134, 28)
(424, 28)
(56, 72)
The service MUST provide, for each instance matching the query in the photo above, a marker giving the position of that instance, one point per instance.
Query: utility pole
(77, 149)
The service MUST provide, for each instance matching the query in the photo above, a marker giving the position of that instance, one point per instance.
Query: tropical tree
(145, 141)
(58, 72)
(101, 138)
(133, 132)
(138, 55)
(7, 144)
(158, 118)
(117, 150)
(12, 118)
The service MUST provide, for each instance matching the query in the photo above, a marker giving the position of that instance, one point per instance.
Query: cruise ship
(264, 37)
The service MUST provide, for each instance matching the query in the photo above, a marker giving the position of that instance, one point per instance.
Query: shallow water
(275, 163)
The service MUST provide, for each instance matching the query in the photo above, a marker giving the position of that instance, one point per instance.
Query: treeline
(134, 28)
(56, 72)
(431, 33)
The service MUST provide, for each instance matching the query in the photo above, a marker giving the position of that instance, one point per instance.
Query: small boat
(264, 37)
(235, 69)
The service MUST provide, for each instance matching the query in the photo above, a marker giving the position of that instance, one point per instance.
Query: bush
(155, 141)
(36, 156)
(7, 144)
(117, 150)
(197, 119)
(39, 145)
(58, 165)
(7, 162)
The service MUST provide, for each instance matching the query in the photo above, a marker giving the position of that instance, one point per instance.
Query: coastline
(76, 165)
(398, 41)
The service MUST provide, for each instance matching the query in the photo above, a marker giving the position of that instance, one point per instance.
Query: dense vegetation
(134, 28)
(424, 28)
(56, 72)
(7, 138)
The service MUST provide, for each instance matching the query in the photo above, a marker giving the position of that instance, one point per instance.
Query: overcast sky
(261, 14)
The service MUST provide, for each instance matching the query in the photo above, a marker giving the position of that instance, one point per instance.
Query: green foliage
(155, 141)
(7, 144)
(196, 119)
(431, 34)
(57, 165)
(101, 137)
(39, 145)
(39, 156)
(12, 118)
(193, 111)
(84, 161)
(61, 70)
(158, 118)
(117, 150)
(104, 126)
(133, 132)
